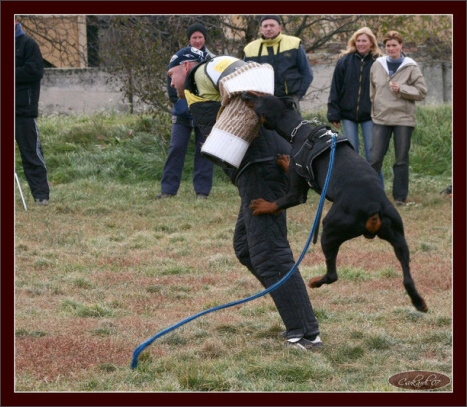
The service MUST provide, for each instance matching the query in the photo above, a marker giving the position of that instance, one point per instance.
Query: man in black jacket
(260, 242)
(29, 70)
(285, 53)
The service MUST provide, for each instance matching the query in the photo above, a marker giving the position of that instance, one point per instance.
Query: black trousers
(261, 244)
(27, 137)
(379, 147)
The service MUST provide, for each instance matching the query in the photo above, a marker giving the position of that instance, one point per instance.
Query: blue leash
(148, 342)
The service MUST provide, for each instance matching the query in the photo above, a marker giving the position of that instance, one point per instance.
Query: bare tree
(138, 49)
(62, 38)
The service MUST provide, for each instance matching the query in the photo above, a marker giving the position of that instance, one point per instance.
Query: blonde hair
(352, 47)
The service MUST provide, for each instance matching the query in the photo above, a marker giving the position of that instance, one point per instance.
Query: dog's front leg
(335, 232)
(297, 192)
(283, 161)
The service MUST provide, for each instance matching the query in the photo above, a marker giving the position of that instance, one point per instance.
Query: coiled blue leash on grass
(145, 344)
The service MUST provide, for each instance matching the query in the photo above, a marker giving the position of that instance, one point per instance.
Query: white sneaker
(304, 344)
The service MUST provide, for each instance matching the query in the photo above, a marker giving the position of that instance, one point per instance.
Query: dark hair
(196, 27)
(392, 35)
(270, 17)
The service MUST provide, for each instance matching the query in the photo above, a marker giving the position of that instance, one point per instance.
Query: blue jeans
(173, 168)
(402, 138)
(350, 130)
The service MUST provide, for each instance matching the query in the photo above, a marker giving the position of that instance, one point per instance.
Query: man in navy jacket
(182, 127)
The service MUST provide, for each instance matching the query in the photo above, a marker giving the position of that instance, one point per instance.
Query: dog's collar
(294, 131)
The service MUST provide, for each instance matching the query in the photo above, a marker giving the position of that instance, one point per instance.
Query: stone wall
(90, 90)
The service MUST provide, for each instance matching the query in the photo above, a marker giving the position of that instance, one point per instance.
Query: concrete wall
(438, 77)
(78, 91)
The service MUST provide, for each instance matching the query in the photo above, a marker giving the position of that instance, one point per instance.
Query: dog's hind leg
(393, 233)
(338, 227)
(402, 253)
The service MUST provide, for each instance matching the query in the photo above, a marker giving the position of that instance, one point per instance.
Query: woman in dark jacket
(349, 98)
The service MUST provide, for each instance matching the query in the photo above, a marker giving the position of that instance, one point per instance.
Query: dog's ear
(249, 96)
(265, 106)
(289, 102)
(246, 96)
(249, 99)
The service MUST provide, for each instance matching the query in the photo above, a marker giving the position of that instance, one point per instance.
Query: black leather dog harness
(317, 142)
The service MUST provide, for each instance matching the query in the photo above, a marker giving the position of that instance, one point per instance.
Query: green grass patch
(106, 266)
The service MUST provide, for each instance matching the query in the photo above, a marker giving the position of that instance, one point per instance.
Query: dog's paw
(256, 205)
(315, 282)
(283, 161)
(261, 207)
(421, 306)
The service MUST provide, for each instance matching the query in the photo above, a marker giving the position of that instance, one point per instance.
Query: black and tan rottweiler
(360, 205)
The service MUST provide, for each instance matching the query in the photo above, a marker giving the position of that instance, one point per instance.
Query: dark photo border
(10, 398)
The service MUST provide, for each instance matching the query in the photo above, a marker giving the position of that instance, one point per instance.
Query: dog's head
(268, 108)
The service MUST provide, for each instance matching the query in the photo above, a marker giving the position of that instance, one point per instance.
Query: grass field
(106, 266)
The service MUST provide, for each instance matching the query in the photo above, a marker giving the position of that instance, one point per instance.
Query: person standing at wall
(182, 127)
(396, 83)
(349, 98)
(292, 71)
(29, 70)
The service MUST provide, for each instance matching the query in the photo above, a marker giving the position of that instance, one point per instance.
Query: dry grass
(105, 267)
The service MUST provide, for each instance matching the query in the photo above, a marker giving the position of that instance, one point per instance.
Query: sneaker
(400, 203)
(201, 196)
(164, 196)
(304, 344)
(447, 191)
(42, 201)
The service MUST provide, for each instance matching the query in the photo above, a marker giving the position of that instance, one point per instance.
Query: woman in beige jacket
(396, 83)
